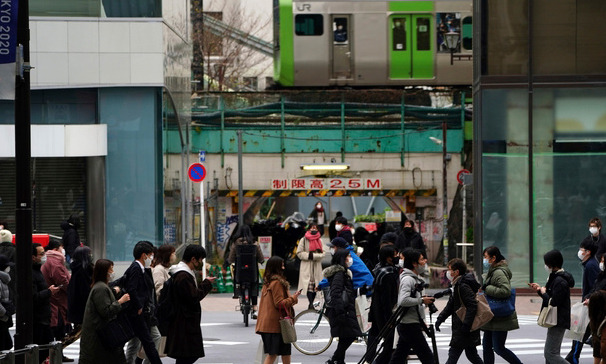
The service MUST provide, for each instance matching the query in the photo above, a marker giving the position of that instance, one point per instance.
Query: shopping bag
(503, 307)
(548, 316)
(483, 314)
(362, 310)
(260, 357)
(579, 318)
(287, 328)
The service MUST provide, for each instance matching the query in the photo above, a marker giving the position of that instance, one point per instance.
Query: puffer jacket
(558, 290)
(342, 310)
(463, 292)
(497, 284)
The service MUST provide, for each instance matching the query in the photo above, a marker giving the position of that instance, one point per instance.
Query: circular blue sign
(196, 172)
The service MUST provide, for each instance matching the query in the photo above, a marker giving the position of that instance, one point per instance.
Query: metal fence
(32, 353)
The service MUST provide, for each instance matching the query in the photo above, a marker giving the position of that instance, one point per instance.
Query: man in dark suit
(141, 308)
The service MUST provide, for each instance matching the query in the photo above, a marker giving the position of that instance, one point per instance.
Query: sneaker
(65, 359)
(253, 315)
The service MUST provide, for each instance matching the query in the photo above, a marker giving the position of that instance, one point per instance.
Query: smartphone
(301, 290)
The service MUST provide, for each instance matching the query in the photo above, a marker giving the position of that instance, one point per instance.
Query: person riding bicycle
(244, 237)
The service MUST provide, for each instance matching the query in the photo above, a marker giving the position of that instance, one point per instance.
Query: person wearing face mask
(556, 292)
(464, 288)
(384, 298)
(343, 230)
(361, 275)
(497, 283)
(55, 273)
(332, 232)
(311, 253)
(595, 235)
(7, 306)
(138, 283)
(412, 324)
(591, 270)
(184, 340)
(341, 310)
(42, 293)
(319, 217)
(410, 238)
(164, 258)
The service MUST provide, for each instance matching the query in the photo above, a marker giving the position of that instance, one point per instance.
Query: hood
(408, 273)
(567, 276)
(332, 270)
(470, 280)
(5, 277)
(181, 266)
(53, 255)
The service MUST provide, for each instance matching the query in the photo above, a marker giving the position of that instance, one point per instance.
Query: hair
(81, 257)
(312, 225)
(411, 222)
(100, 271)
(245, 233)
(341, 220)
(386, 251)
(339, 257)
(493, 251)
(589, 245)
(600, 256)
(597, 222)
(193, 251)
(53, 244)
(458, 264)
(273, 267)
(389, 238)
(142, 247)
(74, 220)
(338, 214)
(163, 255)
(553, 259)
(597, 302)
(411, 256)
(35, 249)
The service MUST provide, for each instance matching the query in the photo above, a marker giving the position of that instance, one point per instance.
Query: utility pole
(240, 192)
(445, 194)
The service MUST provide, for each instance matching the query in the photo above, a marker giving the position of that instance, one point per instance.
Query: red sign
(460, 175)
(196, 172)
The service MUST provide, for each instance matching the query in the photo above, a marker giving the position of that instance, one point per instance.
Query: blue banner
(8, 47)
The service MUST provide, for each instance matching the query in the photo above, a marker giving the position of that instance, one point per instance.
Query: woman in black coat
(464, 290)
(79, 284)
(341, 308)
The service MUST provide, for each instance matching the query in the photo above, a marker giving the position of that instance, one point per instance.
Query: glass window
(467, 33)
(398, 30)
(339, 30)
(423, 34)
(309, 24)
(506, 42)
(446, 22)
(97, 8)
(68, 106)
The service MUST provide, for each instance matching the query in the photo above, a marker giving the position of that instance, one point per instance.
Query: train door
(341, 47)
(410, 46)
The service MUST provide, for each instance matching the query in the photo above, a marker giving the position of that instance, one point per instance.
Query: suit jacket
(137, 285)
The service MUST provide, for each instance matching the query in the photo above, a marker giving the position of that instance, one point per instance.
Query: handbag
(503, 307)
(287, 328)
(362, 312)
(483, 313)
(548, 316)
(117, 332)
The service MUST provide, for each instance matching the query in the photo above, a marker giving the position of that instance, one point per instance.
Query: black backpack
(165, 312)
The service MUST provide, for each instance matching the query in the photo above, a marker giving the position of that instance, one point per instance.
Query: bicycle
(245, 302)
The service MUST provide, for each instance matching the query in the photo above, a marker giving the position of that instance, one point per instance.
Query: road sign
(196, 172)
(460, 175)
(202, 155)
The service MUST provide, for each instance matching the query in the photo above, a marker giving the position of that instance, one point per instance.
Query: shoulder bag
(116, 333)
(483, 314)
(287, 327)
(548, 316)
(503, 307)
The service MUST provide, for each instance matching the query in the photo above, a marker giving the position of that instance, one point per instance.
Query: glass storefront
(97, 8)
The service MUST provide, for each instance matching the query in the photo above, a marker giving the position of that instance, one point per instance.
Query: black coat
(41, 296)
(600, 283)
(345, 233)
(342, 310)
(464, 290)
(184, 339)
(71, 238)
(78, 290)
(410, 239)
(385, 294)
(558, 290)
(140, 286)
(10, 251)
(600, 241)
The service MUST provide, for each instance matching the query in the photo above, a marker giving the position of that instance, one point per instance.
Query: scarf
(314, 241)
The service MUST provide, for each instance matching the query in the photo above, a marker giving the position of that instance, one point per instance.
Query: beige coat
(309, 268)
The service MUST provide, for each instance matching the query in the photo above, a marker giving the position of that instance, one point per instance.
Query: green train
(323, 43)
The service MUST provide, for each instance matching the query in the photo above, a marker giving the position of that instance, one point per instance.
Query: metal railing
(32, 353)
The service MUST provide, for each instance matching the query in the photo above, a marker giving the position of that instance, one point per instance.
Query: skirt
(274, 345)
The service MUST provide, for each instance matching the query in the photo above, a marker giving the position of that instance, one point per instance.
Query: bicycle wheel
(245, 313)
(313, 332)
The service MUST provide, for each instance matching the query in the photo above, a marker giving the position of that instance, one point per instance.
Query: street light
(452, 42)
(325, 167)
(445, 159)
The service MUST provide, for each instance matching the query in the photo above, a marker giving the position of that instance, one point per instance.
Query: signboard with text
(8, 48)
(326, 184)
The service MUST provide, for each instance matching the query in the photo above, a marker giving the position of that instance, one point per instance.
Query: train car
(321, 43)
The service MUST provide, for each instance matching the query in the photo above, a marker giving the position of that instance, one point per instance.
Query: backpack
(165, 312)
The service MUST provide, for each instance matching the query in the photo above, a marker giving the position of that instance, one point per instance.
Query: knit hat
(338, 242)
(6, 236)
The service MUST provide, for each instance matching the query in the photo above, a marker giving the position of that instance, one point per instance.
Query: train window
(423, 35)
(309, 24)
(398, 29)
(339, 29)
(467, 33)
(447, 22)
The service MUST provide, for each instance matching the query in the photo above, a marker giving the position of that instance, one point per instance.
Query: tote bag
(362, 309)
(503, 307)
(116, 333)
(548, 316)
(287, 328)
(483, 314)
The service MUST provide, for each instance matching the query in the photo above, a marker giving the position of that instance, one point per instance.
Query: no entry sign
(196, 172)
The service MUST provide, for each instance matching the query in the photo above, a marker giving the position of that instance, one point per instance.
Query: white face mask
(547, 269)
(8, 269)
(148, 261)
(421, 268)
(580, 254)
(601, 266)
(63, 251)
(400, 263)
(593, 230)
(349, 262)
(43, 259)
(111, 277)
(338, 227)
(449, 276)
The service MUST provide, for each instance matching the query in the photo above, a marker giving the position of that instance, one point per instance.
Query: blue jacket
(361, 275)
(591, 269)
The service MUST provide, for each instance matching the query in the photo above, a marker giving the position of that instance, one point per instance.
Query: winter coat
(160, 274)
(497, 284)
(410, 239)
(345, 233)
(184, 339)
(78, 290)
(408, 296)
(558, 290)
(6, 303)
(361, 275)
(71, 238)
(385, 294)
(232, 252)
(41, 296)
(600, 338)
(10, 251)
(342, 310)
(591, 270)
(55, 273)
(101, 307)
(600, 283)
(308, 268)
(600, 241)
(274, 301)
(464, 290)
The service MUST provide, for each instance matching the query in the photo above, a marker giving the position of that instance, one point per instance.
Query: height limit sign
(196, 172)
